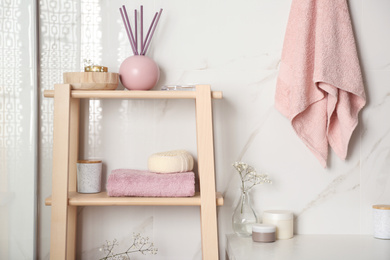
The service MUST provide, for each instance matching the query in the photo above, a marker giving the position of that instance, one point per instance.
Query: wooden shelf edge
(101, 199)
(151, 94)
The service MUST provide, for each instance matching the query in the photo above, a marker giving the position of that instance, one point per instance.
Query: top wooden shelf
(135, 94)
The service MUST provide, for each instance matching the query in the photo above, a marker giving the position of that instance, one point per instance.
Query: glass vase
(244, 216)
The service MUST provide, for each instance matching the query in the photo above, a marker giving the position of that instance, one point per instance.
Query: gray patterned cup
(89, 176)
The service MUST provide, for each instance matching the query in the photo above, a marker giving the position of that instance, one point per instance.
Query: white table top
(310, 247)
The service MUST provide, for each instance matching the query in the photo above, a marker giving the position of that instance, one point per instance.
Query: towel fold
(139, 183)
(320, 87)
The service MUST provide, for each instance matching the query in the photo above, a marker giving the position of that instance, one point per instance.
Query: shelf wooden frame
(65, 200)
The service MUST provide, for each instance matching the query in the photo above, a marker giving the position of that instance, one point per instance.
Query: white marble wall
(235, 46)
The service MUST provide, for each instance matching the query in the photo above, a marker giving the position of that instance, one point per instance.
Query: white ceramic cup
(89, 176)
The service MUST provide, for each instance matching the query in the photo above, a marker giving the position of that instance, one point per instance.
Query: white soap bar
(171, 161)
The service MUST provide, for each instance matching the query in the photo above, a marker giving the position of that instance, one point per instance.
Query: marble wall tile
(374, 43)
(375, 178)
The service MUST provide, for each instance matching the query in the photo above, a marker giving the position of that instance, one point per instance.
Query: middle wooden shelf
(102, 199)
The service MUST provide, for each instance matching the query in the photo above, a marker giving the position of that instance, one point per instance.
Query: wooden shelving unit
(65, 200)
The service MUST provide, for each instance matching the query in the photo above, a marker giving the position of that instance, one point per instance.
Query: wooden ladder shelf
(65, 200)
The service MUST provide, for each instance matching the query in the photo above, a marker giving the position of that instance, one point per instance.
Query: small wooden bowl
(92, 80)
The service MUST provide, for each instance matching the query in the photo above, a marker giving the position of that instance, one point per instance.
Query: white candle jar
(89, 176)
(381, 214)
(283, 220)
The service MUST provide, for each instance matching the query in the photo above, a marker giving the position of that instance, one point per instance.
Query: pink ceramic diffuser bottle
(139, 72)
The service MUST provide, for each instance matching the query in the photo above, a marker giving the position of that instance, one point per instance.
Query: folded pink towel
(320, 87)
(138, 183)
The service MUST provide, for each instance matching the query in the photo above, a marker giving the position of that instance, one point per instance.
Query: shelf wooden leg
(205, 143)
(61, 140)
(73, 157)
(71, 238)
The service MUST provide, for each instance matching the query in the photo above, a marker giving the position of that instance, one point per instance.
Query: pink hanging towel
(320, 87)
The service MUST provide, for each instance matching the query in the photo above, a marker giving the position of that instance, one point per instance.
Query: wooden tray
(92, 80)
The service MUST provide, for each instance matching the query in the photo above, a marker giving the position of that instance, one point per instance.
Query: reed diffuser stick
(127, 31)
(151, 35)
(142, 29)
(147, 35)
(135, 29)
(135, 41)
(131, 32)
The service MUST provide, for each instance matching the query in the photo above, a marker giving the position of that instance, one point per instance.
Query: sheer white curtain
(18, 129)
(69, 32)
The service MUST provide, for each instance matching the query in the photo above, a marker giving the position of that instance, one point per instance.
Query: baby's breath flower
(140, 244)
(249, 176)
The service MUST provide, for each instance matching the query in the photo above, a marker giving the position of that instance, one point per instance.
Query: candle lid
(382, 206)
(89, 161)
(278, 214)
(264, 228)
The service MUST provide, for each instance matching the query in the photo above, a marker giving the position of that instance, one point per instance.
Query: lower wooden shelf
(101, 199)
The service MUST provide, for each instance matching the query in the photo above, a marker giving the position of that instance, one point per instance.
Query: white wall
(235, 46)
